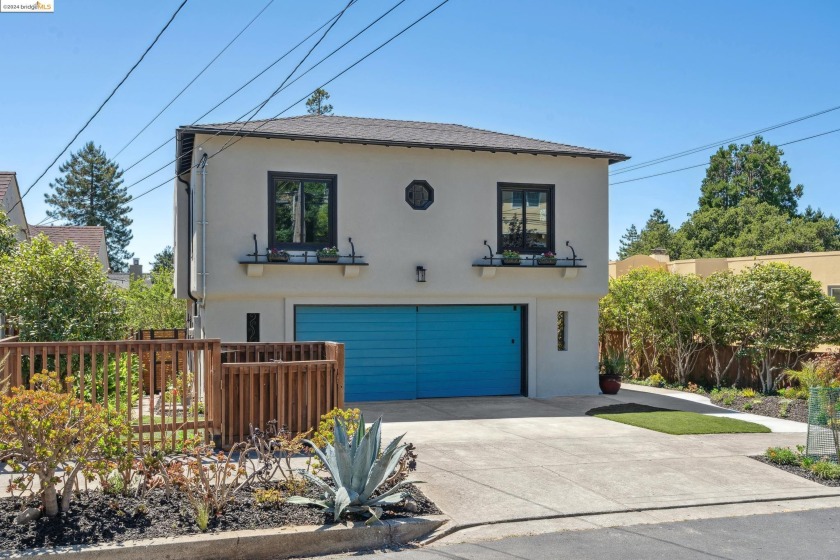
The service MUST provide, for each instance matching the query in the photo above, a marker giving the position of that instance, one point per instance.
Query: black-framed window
(301, 211)
(525, 217)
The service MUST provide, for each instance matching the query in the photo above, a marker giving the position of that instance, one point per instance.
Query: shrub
(782, 456)
(748, 393)
(59, 293)
(655, 380)
(269, 497)
(324, 434)
(826, 470)
(724, 396)
(614, 363)
(784, 407)
(50, 435)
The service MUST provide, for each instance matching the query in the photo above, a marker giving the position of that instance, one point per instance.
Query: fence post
(339, 360)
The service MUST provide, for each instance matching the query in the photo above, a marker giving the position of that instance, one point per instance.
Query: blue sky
(643, 78)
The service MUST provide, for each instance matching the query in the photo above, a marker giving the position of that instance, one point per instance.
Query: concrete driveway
(497, 459)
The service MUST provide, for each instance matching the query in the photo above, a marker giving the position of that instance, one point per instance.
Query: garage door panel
(468, 351)
(406, 352)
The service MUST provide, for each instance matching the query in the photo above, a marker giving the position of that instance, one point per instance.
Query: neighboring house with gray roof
(421, 296)
(11, 203)
(91, 238)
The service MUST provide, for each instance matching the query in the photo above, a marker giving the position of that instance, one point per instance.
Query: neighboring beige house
(91, 238)
(824, 267)
(422, 309)
(11, 204)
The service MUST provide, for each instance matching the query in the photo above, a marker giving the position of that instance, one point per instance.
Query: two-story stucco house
(420, 297)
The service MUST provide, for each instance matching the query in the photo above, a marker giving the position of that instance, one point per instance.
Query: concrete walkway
(501, 459)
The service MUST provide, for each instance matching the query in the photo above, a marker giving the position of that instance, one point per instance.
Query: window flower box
(511, 258)
(275, 255)
(547, 259)
(328, 255)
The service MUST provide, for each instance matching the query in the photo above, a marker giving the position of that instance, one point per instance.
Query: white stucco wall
(447, 239)
(14, 209)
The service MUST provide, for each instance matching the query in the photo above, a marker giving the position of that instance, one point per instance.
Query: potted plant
(547, 259)
(278, 255)
(327, 255)
(510, 257)
(613, 366)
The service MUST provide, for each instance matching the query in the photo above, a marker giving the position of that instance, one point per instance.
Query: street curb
(283, 542)
(455, 527)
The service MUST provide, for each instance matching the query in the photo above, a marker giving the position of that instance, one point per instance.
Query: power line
(307, 71)
(357, 62)
(136, 64)
(197, 76)
(240, 88)
(707, 163)
(295, 69)
(720, 142)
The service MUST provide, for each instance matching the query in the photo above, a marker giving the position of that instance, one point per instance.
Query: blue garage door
(408, 352)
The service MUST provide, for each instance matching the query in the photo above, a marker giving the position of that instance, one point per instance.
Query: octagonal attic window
(419, 195)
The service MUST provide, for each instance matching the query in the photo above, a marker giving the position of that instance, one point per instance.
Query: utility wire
(249, 111)
(295, 69)
(719, 142)
(240, 88)
(708, 163)
(358, 61)
(107, 99)
(197, 76)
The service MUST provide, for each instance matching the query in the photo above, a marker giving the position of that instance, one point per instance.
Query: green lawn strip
(675, 422)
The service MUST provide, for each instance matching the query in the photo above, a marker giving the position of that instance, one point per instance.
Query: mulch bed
(799, 471)
(97, 518)
(797, 409)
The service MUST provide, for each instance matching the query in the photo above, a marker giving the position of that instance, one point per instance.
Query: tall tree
(657, 234)
(317, 103)
(91, 194)
(165, 260)
(753, 170)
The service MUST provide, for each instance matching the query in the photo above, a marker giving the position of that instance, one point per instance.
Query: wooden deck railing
(294, 383)
(116, 373)
(193, 392)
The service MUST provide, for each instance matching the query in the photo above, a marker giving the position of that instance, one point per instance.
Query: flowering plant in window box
(327, 255)
(510, 257)
(278, 255)
(547, 259)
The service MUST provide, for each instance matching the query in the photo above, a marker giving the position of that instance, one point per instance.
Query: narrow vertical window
(562, 317)
(252, 327)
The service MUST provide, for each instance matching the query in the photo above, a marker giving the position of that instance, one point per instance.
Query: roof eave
(613, 157)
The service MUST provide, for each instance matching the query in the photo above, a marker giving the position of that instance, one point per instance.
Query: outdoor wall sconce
(421, 274)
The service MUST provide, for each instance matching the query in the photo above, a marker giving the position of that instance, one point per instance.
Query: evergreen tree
(165, 260)
(91, 194)
(753, 170)
(317, 103)
(657, 234)
(628, 243)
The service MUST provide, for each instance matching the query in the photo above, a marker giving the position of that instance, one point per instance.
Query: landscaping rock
(27, 516)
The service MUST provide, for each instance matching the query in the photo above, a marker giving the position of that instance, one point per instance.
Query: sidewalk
(488, 460)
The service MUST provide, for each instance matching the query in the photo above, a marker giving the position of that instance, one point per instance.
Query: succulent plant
(358, 470)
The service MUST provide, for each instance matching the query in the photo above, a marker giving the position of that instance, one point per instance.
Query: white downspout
(203, 166)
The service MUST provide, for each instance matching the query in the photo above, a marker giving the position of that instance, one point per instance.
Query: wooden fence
(294, 383)
(742, 371)
(173, 389)
(116, 373)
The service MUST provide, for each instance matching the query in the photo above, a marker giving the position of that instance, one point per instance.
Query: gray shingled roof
(90, 237)
(5, 180)
(356, 130)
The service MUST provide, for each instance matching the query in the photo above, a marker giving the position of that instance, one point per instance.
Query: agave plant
(358, 469)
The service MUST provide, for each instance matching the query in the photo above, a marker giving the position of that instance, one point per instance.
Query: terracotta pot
(610, 384)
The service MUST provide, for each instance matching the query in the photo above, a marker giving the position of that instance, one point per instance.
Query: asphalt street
(804, 535)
